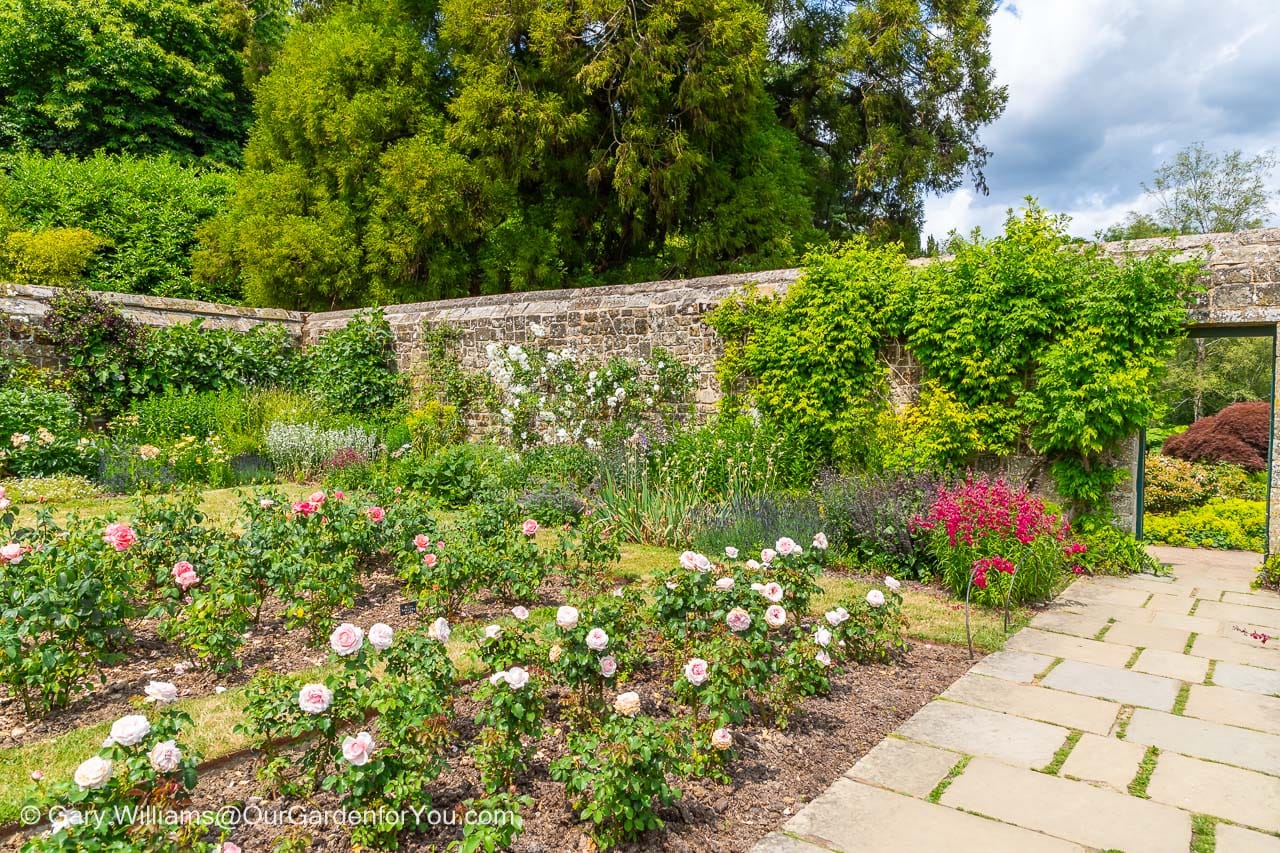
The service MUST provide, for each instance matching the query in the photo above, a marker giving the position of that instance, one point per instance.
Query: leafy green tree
(1206, 376)
(135, 76)
(887, 96)
(144, 210)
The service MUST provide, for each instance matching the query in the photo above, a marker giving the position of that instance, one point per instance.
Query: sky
(1101, 92)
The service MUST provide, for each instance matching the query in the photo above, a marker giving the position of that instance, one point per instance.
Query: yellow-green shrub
(1222, 523)
(57, 257)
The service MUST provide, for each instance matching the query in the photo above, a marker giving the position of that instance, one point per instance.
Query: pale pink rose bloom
(822, 637)
(182, 567)
(775, 616)
(597, 640)
(731, 552)
(338, 494)
(430, 560)
(785, 546)
(567, 617)
(724, 583)
(529, 527)
(4, 504)
(375, 514)
(875, 598)
(695, 671)
(492, 631)
(161, 692)
(93, 773)
(738, 619)
(440, 545)
(686, 560)
(820, 541)
(753, 564)
(305, 508)
(186, 580)
(823, 658)
(767, 556)
(498, 677)
(165, 757)
(228, 847)
(130, 729)
(608, 666)
(422, 542)
(627, 704)
(119, 536)
(798, 551)
(772, 591)
(721, 739)
(439, 630)
(266, 503)
(358, 749)
(316, 497)
(380, 635)
(11, 553)
(346, 639)
(694, 561)
(516, 677)
(315, 698)
(757, 587)
(36, 775)
(671, 585)
(893, 583)
(837, 616)
(520, 612)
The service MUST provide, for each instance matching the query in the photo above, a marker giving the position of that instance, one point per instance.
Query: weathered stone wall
(22, 306)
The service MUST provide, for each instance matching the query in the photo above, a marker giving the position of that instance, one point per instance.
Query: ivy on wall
(1028, 343)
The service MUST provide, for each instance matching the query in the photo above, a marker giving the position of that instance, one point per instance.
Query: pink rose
(165, 757)
(11, 553)
(316, 498)
(786, 546)
(837, 616)
(721, 739)
(529, 527)
(228, 847)
(694, 561)
(767, 555)
(380, 635)
(186, 580)
(597, 640)
(608, 666)
(731, 552)
(772, 592)
(820, 541)
(119, 536)
(822, 637)
(430, 560)
(823, 658)
(775, 616)
(724, 583)
(738, 620)
(266, 503)
(492, 631)
(358, 749)
(753, 564)
(346, 639)
(338, 494)
(376, 514)
(422, 542)
(567, 617)
(315, 698)
(520, 612)
(695, 671)
(182, 567)
(304, 508)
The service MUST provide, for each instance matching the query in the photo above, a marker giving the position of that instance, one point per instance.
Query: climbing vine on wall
(1028, 342)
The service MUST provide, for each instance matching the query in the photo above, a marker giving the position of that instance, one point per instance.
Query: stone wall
(22, 306)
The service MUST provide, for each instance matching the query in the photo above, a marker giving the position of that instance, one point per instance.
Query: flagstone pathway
(1131, 716)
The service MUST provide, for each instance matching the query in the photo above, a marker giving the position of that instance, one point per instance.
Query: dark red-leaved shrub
(1238, 435)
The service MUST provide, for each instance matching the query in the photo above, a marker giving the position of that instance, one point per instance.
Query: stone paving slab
(1220, 648)
(1093, 593)
(977, 731)
(1104, 760)
(1238, 795)
(1171, 665)
(1147, 636)
(1072, 648)
(1196, 624)
(1021, 667)
(1076, 624)
(1257, 598)
(1203, 739)
(1087, 815)
(905, 766)
(854, 818)
(1162, 603)
(1236, 839)
(1118, 685)
(776, 842)
(1240, 613)
(1035, 703)
(1234, 707)
(1140, 615)
(1248, 678)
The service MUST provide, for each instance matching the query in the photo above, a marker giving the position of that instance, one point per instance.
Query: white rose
(380, 635)
(731, 552)
(627, 704)
(129, 730)
(875, 598)
(516, 677)
(358, 749)
(93, 773)
(837, 616)
(597, 640)
(820, 541)
(162, 692)
(767, 555)
(346, 639)
(753, 564)
(439, 630)
(785, 546)
(567, 617)
(520, 612)
(492, 631)
(498, 677)
(893, 584)
(315, 698)
(822, 637)
(724, 583)
(165, 757)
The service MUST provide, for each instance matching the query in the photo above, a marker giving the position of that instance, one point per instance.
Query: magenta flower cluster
(980, 508)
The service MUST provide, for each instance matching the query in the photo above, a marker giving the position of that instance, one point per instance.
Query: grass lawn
(931, 614)
(220, 505)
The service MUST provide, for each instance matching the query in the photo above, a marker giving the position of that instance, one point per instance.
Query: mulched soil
(775, 772)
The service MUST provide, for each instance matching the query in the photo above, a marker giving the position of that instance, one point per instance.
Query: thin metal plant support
(1009, 594)
(968, 635)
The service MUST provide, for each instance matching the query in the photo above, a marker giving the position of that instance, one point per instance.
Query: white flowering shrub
(559, 396)
(301, 448)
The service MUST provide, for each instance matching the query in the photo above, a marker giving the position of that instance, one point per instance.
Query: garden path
(1130, 715)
